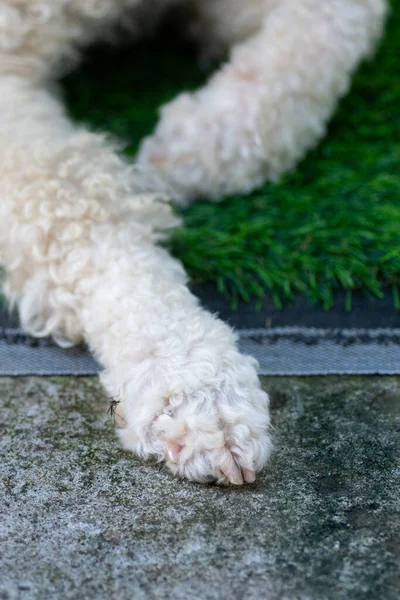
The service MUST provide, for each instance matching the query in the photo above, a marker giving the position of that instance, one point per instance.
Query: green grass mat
(333, 223)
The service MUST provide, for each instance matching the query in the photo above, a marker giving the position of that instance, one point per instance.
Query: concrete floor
(83, 519)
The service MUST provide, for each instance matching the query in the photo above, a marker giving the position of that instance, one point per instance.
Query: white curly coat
(79, 226)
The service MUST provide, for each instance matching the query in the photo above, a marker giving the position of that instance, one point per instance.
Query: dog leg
(270, 103)
(78, 234)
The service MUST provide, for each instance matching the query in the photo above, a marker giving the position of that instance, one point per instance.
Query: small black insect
(112, 409)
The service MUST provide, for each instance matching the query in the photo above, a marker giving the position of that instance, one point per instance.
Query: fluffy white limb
(78, 234)
(291, 61)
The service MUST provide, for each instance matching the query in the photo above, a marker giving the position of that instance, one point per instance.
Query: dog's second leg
(78, 240)
(291, 61)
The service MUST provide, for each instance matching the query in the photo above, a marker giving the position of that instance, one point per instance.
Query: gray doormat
(299, 340)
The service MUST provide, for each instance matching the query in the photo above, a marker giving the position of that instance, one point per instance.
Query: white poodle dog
(79, 226)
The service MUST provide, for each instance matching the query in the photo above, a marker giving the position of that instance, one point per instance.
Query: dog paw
(214, 436)
(216, 433)
(207, 145)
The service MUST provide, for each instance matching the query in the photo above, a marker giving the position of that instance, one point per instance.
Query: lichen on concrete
(82, 518)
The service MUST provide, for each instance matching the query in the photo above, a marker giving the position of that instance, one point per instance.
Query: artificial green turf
(333, 223)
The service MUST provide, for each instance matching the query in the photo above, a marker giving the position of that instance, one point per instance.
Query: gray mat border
(306, 351)
(302, 351)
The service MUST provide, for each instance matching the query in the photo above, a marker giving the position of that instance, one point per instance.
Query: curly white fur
(79, 226)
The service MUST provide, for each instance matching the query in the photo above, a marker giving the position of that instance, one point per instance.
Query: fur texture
(79, 226)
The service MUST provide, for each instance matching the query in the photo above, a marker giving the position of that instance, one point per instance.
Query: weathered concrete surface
(83, 519)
